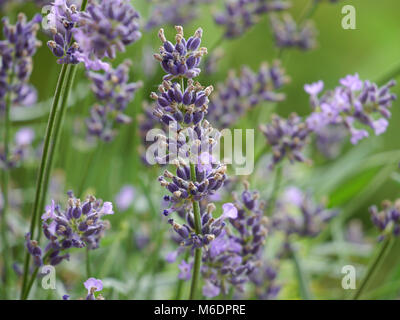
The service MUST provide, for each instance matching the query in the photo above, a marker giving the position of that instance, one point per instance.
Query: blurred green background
(360, 176)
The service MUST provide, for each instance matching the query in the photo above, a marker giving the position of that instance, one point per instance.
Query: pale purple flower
(185, 270)
(352, 82)
(107, 208)
(229, 211)
(205, 162)
(125, 197)
(24, 136)
(293, 195)
(49, 211)
(315, 88)
(171, 256)
(210, 290)
(93, 285)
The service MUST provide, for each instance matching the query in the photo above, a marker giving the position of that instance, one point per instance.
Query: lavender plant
(115, 93)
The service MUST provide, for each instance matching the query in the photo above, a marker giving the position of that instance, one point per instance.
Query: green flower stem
(60, 116)
(374, 266)
(64, 83)
(275, 190)
(197, 252)
(6, 250)
(181, 282)
(301, 276)
(40, 180)
(88, 269)
(33, 277)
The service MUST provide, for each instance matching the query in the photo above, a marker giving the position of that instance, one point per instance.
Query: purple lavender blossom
(115, 93)
(387, 220)
(62, 19)
(105, 28)
(185, 270)
(16, 50)
(297, 213)
(187, 107)
(353, 104)
(288, 137)
(238, 94)
(288, 34)
(183, 58)
(265, 280)
(234, 256)
(93, 285)
(80, 225)
(20, 150)
(240, 15)
(125, 197)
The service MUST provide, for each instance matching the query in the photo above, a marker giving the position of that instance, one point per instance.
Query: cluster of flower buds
(288, 34)
(234, 256)
(297, 213)
(114, 92)
(23, 140)
(183, 58)
(16, 51)
(106, 27)
(211, 228)
(288, 137)
(79, 225)
(240, 93)
(187, 107)
(354, 102)
(62, 20)
(101, 30)
(240, 15)
(209, 178)
(388, 219)
(265, 281)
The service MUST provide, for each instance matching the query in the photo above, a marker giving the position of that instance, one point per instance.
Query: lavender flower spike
(387, 220)
(351, 104)
(288, 137)
(183, 58)
(79, 225)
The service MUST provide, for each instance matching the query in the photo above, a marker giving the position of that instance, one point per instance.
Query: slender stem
(309, 12)
(275, 190)
(373, 267)
(88, 269)
(181, 282)
(60, 115)
(301, 276)
(197, 252)
(40, 179)
(33, 278)
(45, 164)
(7, 253)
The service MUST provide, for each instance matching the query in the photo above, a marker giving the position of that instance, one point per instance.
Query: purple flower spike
(387, 220)
(183, 58)
(114, 91)
(351, 106)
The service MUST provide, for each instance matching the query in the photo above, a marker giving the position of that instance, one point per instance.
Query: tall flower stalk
(182, 107)
(16, 52)
(57, 113)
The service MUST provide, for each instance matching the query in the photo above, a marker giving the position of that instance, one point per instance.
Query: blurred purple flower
(125, 197)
